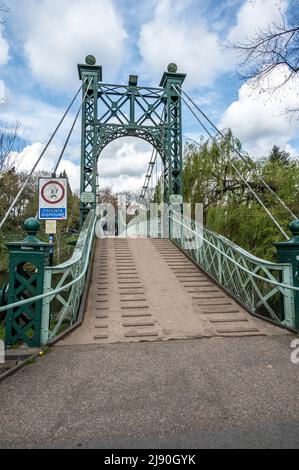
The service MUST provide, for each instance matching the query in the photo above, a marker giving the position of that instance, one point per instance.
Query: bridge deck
(212, 392)
(148, 290)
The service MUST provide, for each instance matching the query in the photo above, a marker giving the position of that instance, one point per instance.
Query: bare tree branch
(270, 47)
(9, 137)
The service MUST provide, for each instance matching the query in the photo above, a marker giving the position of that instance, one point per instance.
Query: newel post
(27, 261)
(288, 252)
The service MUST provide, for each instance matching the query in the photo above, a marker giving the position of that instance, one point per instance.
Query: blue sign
(52, 213)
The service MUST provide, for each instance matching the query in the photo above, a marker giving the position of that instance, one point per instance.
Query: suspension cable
(194, 114)
(253, 165)
(72, 128)
(39, 159)
(97, 189)
(241, 176)
(156, 192)
(147, 176)
(255, 195)
(150, 170)
(230, 161)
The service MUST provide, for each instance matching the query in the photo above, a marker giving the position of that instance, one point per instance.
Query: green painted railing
(63, 286)
(66, 283)
(264, 288)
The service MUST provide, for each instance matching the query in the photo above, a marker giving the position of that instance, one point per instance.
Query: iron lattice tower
(113, 111)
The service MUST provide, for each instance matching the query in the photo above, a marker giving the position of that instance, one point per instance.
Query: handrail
(60, 289)
(251, 257)
(241, 250)
(77, 253)
(254, 282)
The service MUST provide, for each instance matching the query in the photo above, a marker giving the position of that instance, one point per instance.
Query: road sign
(87, 197)
(52, 198)
(50, 227)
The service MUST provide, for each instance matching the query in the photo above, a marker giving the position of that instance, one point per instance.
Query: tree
(270, 48)
(230, 208)
(106, 195)
(9, 143)
(277, 155)
(209, 176)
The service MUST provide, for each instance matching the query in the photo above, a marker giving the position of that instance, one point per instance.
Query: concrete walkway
(148, 290)
(225, 379)
(208, 392)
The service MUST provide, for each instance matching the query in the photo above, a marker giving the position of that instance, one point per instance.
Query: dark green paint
(23, 323)
(114, 111)
(288, 252)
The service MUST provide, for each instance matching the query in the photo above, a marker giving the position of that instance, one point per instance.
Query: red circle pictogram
(51, 201)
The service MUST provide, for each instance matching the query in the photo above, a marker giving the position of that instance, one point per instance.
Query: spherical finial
(294, 228)
(90, 60)
(172, 68)
(31, 226)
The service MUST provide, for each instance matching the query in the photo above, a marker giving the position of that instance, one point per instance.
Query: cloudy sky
(43, 40)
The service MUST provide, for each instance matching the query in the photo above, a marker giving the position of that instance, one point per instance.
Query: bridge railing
(57, 307)
(66, 283)
(263, 287)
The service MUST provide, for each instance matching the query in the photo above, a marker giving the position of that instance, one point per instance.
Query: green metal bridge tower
(113, 111)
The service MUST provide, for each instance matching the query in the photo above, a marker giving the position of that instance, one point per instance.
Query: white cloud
(37, 122)
(174, 34)
(258, 117)
(255, 15)
(4, 48)
(39, 119)
(2, 92)
(123, 164)
(25, 160)
(171, 37)
(59, 34)
(126, 156)
(122, 183)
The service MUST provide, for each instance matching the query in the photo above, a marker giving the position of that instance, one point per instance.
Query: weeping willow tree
(211, 177)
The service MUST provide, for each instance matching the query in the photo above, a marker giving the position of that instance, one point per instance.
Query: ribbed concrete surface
(148, 290)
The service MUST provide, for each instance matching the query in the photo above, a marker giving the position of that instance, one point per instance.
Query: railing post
(170, 225)
(45, 320)
(219, 262)
(27, 261)
(288, 252)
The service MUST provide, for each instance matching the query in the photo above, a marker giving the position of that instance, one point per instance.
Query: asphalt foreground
(195, 393)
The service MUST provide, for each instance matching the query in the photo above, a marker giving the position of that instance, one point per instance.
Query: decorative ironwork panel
(26, 280)
(256, 283)
(113, 111)
(27, 261)
(60, 310)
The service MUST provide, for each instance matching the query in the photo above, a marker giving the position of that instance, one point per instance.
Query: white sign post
(52, 199)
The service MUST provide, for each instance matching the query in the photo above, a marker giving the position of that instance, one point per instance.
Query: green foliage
(2, 331)
(230, 208)
(279, 156)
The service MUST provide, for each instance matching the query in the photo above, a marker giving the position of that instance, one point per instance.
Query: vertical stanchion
(288, 252)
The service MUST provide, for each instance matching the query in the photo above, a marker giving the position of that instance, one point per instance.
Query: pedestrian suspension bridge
(191, 282)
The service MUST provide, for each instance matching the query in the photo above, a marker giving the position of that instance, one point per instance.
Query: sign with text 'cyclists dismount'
(52, 198)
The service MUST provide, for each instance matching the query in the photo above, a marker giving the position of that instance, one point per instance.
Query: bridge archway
(124, 163)
(112, 111)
